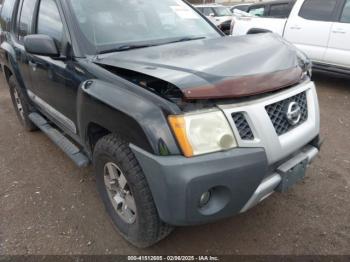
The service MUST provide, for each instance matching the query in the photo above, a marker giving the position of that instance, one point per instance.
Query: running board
(72, 151)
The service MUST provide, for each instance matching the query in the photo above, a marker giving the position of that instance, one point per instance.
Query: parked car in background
(238, 15)
(220, 15)
(275, 9)
(272, 9)
(241, 7)
(319, 28)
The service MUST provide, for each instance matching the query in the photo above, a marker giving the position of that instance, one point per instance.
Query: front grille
(243, 127)
(278, 113)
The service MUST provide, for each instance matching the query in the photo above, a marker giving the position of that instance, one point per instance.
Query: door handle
(33, 65)
(295, 27)
(339, 31)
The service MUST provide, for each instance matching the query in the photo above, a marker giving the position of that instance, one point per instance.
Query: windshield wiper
(124, 48)
(130, 47)
(185, 39)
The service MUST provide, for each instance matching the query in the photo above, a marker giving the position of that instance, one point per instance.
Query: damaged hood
(216, 68)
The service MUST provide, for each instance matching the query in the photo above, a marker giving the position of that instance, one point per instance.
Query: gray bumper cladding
(270, 184)
(177, 183)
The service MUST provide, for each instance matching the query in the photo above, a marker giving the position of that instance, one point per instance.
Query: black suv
(183, 125)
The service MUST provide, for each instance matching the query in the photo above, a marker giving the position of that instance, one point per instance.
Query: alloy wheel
(18, 103)
(119, 193)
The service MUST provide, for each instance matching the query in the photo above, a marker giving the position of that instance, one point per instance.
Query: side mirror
(41, 45)
(211, 14)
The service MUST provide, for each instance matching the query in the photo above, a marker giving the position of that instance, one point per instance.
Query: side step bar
(72, 151)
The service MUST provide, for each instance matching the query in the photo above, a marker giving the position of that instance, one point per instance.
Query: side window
(280, 10)
(200, 9)
(6, 14)
(207, 11)
(25, 18)
(257, 10)
(49, 21)
(319, 10)
(345, 18)
(243, 8)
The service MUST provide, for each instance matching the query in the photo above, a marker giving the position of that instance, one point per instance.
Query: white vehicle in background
(239, 15)
(242, 14)
(320, 28)
(219, 15)
(240, 7)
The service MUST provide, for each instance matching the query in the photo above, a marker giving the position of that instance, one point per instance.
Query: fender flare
(8, 50)
(9, 60)
(140, 121)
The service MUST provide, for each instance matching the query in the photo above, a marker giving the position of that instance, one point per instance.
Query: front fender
(139, 120)
(8, 59)
(7, 50)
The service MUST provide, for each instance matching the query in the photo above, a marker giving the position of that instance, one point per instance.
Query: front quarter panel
(137, 119)
(8, 58)
(6, 49)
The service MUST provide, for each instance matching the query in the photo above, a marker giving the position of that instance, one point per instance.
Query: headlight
(202, 133)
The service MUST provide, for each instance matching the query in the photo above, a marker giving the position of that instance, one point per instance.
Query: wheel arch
(94, 133)
(103, 108)
(10, 67)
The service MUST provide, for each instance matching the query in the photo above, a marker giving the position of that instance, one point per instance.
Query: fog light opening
(204, 199)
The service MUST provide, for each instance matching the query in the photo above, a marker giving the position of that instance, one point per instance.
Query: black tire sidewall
(129, 231)
(26, 122)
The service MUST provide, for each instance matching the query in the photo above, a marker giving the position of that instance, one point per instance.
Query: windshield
(222, 11)
(108, 24)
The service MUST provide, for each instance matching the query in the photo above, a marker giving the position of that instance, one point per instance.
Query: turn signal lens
(178, 126)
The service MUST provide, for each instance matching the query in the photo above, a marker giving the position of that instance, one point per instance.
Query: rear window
(319, 10)
(345, 18)
(280, 10)
(6, 13)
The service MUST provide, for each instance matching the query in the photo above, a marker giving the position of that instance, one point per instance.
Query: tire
(21, 105)
(145, 228)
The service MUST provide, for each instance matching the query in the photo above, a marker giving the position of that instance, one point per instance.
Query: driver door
(54, 89)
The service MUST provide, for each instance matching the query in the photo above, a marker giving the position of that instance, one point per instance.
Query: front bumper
(238, 179)
(272, 183)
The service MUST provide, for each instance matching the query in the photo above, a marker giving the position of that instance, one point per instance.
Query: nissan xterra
(182, 125)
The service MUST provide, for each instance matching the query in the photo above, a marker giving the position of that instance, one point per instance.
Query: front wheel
(126, 194)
